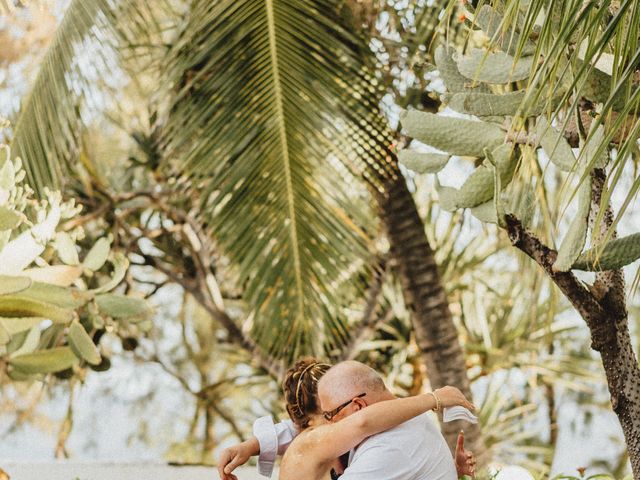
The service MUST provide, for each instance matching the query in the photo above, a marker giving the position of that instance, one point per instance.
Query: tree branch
(65, 427)
(367, 326)
(367, 333)
(579, 296)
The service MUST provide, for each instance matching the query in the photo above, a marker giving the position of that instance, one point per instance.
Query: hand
(465, 461)
(236, 455)
(450, 397)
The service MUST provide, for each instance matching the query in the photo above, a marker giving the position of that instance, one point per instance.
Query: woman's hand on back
(450, 397)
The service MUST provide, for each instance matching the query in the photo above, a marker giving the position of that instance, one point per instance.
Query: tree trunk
(623, 378)
(424, 296)
(610, 333)
(603, 307)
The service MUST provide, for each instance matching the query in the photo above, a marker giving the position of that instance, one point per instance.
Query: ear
(360, 402)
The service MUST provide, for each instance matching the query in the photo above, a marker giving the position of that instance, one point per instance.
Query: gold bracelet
(438, 403)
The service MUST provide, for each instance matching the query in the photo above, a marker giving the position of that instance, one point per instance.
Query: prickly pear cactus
(55, 302)
(614, 255)
(492, 85)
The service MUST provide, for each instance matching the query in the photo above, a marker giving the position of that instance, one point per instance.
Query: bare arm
(329, 441)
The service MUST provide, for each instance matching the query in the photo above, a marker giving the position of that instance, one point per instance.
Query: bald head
(346, 380)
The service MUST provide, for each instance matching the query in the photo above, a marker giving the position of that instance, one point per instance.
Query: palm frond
(77, 80)
(42, 113)
(266, 112)
(502, 417)
(274, 119)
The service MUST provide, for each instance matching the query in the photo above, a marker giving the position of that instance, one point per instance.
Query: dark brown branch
(579, 296)
(229, 420)
(205, 395)
(523, 138)
(183, 382)
(235, 334)
(199, 246)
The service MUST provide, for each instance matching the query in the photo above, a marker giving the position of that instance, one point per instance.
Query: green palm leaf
(77, 80)
(52, 89)
(274, 115)
(268, 113)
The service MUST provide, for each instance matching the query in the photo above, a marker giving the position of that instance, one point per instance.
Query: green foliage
(597, 476)
(121, 306)
(273, 135)
(98, 255)
(51, 90)
(9, 219)
(496, 67)
(614, 255)
(487, 104)
(50, 360)
(284, 214)
(480, 185)
(555, 145)
(222, 132)
(456, 136)
(485, 212)
(10, 284)
(518, 63)
(45, 308)
(423, 162)
(505, 37)
(82, 344)
(576, 236)
(453, 80)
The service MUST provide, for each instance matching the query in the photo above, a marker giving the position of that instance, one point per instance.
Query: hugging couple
(343, 426)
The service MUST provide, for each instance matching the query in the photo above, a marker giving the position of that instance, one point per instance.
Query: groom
(414, 450)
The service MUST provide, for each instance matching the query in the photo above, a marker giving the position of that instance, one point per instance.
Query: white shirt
(414, 450)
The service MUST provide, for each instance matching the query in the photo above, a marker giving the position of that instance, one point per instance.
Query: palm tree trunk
(425, 297)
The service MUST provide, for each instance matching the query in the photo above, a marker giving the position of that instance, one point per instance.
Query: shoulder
(299, 450)
(303, 439)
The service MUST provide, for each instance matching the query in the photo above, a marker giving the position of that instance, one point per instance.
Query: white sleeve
(273, 439)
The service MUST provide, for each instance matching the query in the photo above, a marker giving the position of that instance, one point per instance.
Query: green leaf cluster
(500, 82)
(49, 315)
(266, 114)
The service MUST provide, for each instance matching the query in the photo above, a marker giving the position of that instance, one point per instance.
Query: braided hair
(300, 390)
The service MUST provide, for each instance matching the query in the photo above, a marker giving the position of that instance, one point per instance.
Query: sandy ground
(116, 471)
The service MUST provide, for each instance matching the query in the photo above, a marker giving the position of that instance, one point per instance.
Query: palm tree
(264, 120)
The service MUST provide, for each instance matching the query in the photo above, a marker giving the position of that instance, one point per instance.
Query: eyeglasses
(332, 413)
